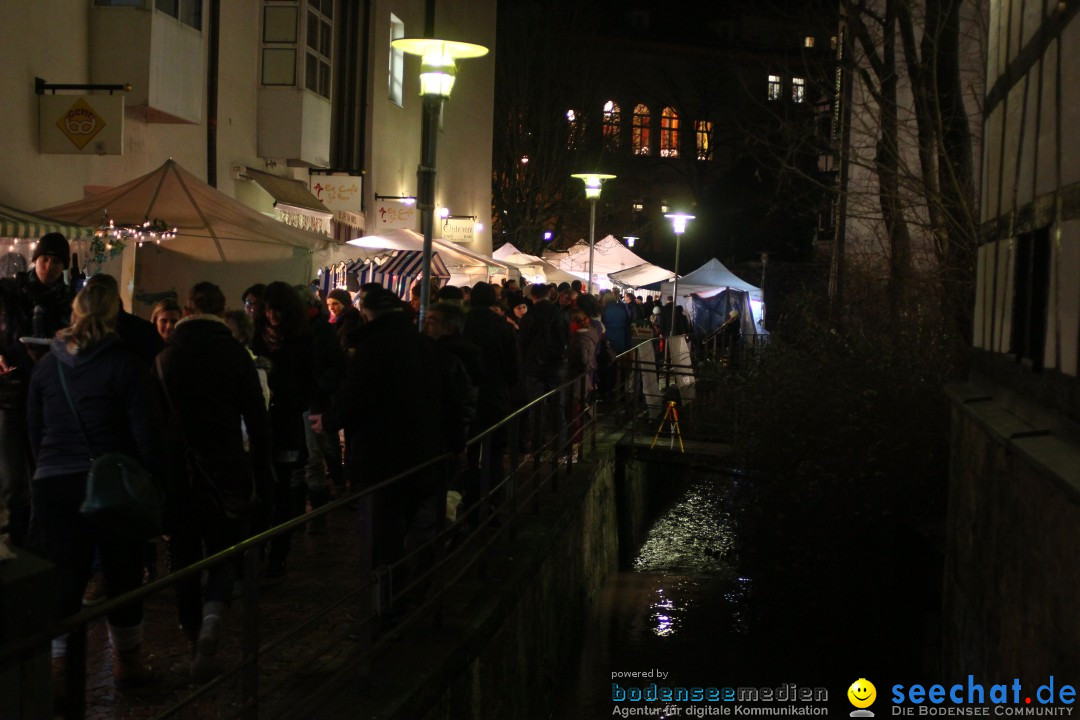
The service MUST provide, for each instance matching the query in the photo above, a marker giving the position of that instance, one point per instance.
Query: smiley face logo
(862, 693)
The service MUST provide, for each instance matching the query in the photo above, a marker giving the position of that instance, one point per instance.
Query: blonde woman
(112, 393)
(165, 315)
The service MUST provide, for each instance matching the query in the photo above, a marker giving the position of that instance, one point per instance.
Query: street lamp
(678, 222)
(438, 68)
(592, 181)
(630, 240)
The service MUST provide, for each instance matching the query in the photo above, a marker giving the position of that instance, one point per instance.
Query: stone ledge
(1055, 457)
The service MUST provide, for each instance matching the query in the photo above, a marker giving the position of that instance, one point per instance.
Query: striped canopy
(21, 224)
(398, 272)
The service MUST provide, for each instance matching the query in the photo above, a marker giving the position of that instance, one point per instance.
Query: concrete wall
(1013, 528)
(510, 637)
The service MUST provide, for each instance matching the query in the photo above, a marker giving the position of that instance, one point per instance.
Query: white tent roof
(644, 274)
(609, 256)
(710, 279)
(533, 268)
(219, 239)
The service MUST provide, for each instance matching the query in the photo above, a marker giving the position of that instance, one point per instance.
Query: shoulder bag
(122, 500)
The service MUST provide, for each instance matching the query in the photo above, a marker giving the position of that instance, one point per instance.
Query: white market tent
(533, 269)
(219, 239)
(711, 279)
(609, 256)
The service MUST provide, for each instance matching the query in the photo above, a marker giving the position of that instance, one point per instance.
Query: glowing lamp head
(547, 236)
(592, 181)
(678, 221)
(438, 66)
(630, 240)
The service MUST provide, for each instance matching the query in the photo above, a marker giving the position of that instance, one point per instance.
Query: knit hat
(656, 311)
(483, 295)
(53, 244)
(342, 296)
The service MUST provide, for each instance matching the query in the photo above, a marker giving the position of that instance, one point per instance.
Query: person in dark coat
(282, 335)
(329, 361)
(616, 317)
(542, 341)
(211, 386)
(117, 411)
(34, 304)
(391, 407)
(495, 338)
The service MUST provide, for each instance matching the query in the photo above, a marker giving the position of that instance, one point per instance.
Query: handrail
(534, 411)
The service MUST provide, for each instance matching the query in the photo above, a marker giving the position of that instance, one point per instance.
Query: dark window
(1031, 296)
(188, 12)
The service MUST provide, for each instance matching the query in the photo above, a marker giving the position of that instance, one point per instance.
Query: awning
(408, 263)
(395, 273)
(21, 224)
(294, 202)
(644, 274)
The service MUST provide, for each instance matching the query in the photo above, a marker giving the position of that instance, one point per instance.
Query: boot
(129, 669)
(319, 497)
(203, 665)
(59, 685)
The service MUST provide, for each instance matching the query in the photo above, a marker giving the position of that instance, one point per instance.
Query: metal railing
(531, 447)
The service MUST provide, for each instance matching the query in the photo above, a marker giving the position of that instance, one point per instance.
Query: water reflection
(665, 623)
(684, 607)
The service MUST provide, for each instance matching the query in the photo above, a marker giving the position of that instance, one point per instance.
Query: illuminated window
(612, 122)
(808, 41)
(669, 133)
(798, 89)
(638, 207)
(774, 87)
(703, 133)
(397, 61)
(639, 137)
(663, 207)
(320, 46)
(573, 129)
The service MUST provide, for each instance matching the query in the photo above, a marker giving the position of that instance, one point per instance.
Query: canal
(724, 592)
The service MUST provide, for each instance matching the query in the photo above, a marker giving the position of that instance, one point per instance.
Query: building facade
(1014, 505)
(249, 95)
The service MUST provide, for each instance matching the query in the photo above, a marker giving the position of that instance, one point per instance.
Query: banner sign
(394, 215)
(81, 124)
(339, 192)
(458, 230)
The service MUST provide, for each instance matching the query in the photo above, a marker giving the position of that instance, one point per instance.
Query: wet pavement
(320, 567)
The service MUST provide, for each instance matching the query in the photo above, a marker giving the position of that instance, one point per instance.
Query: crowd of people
(247, 417)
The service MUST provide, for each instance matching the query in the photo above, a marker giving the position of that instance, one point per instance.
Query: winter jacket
(117, 403)
(293, 386)
(616, 317)
(391, 404)
(497, 343)
(582, 357)
(212, 384)
(19, 296)
(140, 334)
(542, 341)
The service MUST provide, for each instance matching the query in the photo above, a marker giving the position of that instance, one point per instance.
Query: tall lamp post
(678, 222)
(592, 181)
(438, 69)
